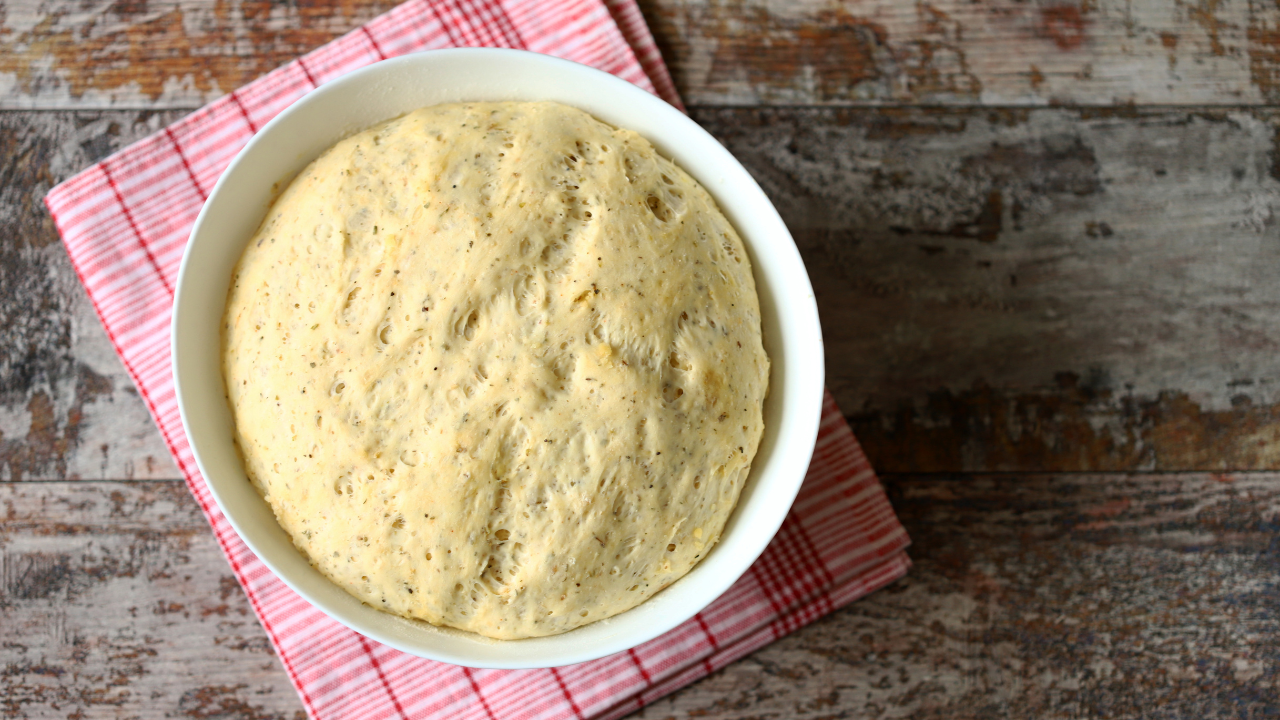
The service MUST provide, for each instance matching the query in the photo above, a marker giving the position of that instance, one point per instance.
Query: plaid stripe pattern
(125, 222)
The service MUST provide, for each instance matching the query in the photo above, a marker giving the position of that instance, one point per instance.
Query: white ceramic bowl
(368, 96)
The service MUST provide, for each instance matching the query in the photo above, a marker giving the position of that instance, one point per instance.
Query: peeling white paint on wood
(1040, 596)
(115, 601)
(1112, 52)
(723, 52)
(68, 409)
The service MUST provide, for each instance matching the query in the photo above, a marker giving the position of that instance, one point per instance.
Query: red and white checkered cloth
(125, 222)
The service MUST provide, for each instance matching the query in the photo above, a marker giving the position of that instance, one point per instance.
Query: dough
(497, 366)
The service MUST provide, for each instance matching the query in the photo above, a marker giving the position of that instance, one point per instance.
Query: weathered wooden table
(1046, 244)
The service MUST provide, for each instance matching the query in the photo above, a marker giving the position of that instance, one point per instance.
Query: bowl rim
(750, 543)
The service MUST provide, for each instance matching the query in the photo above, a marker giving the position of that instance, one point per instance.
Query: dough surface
(497, 366)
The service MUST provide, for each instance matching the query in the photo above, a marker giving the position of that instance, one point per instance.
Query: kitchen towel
(125, 222)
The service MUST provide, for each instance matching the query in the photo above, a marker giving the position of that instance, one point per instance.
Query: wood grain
(182, 53)
(1002, 52)
(1042, 596)
(157, 53)
(1033, 596)
(1037, 289)
(67, 407)
(115, 601)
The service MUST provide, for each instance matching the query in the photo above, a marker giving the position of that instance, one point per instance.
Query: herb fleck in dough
(497, 367)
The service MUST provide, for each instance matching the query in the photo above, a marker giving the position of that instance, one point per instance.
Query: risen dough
(497, 367)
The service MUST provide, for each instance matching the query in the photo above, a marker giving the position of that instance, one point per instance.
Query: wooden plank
(1032, 596)
(67, 407)
(182, 53)
(115, 601)
(157, 54)
(1042, 596)
(951, 52)
(1044, 289)
(1001, 290)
